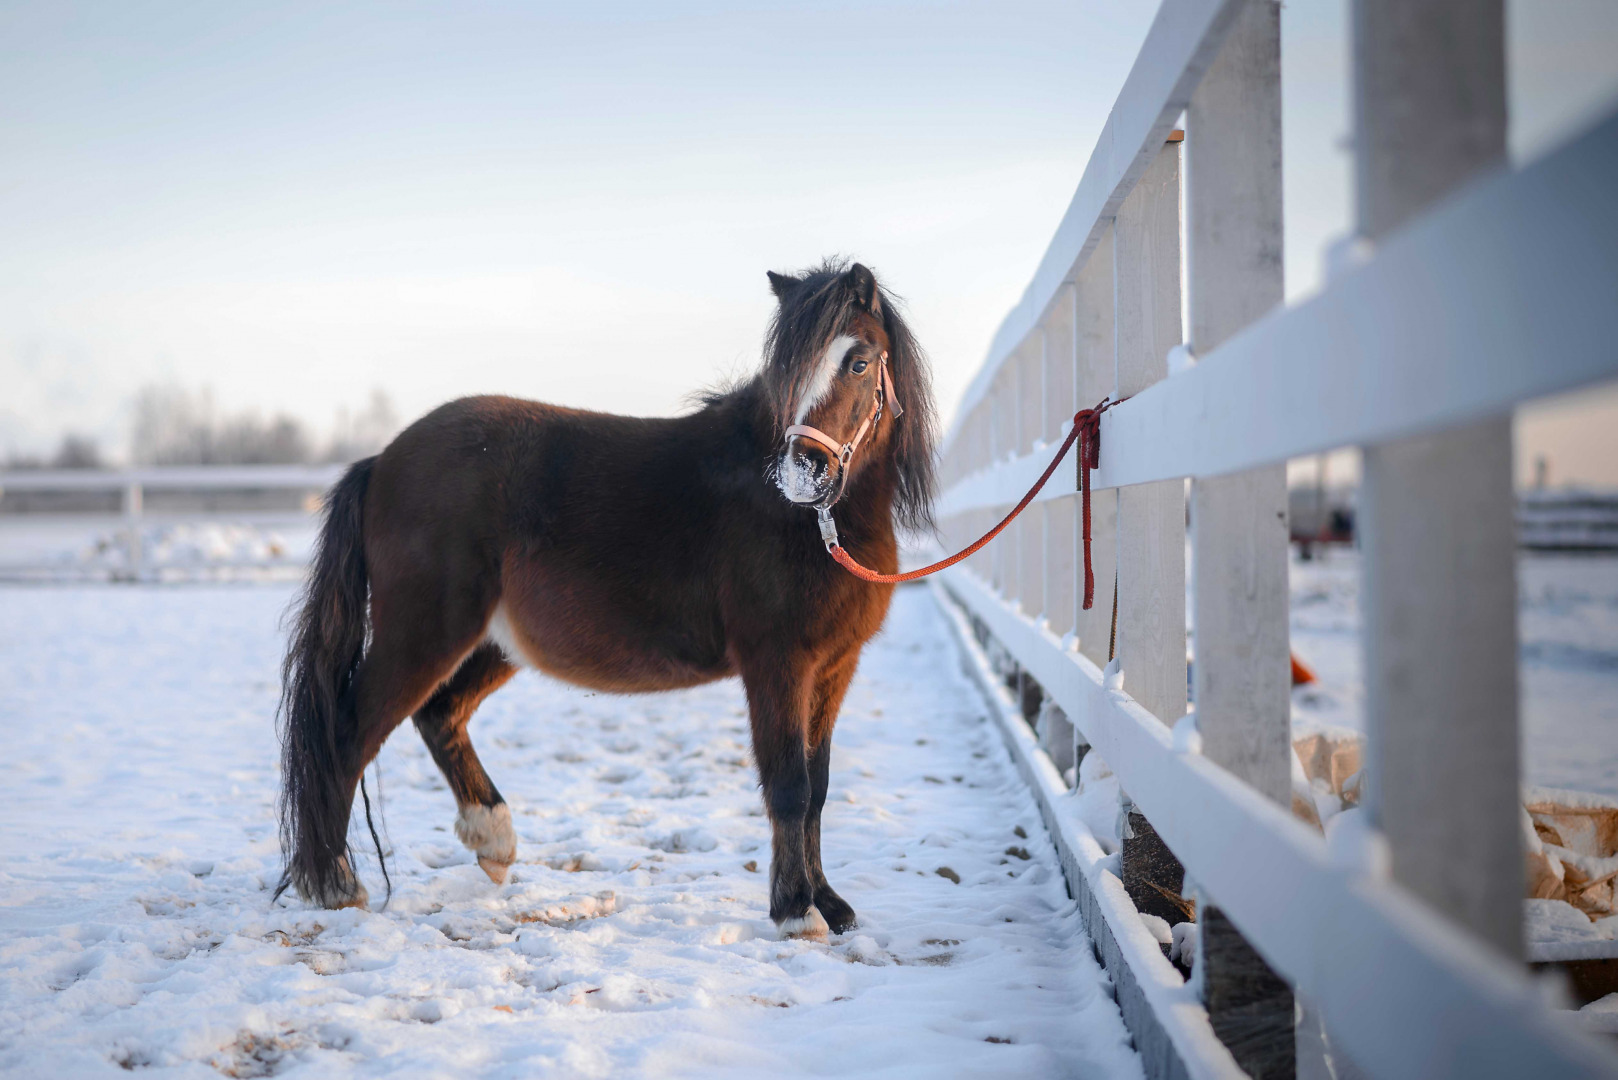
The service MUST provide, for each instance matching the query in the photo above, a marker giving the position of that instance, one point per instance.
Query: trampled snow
(137, 932)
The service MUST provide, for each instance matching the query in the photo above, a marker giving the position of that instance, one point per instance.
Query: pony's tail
(316, 715)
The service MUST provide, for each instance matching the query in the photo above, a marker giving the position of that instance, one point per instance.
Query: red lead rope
(1086, 431)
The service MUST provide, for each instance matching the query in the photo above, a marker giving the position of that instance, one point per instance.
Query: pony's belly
(585, 654)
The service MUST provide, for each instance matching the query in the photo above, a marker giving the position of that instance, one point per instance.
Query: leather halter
(844, 452)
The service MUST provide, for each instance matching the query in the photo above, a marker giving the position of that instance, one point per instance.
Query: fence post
(1151, 517)
(1060, 514)
(1016, 370)
(1056, 363)
(1239, 528)
(134, 508)
(1436, 522)
(1005, 438)
(1093, 380)
(1030, 537)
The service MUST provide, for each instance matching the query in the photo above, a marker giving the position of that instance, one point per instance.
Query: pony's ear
(782, 283)
(863, 282)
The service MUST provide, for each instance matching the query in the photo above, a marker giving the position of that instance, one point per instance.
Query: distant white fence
(130, 488)
(1472, 289)
(1568, 520)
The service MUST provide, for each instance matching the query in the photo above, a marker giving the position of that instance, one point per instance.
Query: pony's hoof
(837, 912)
(487, 831)
(810, 926)
(359, 898)
(343, 892)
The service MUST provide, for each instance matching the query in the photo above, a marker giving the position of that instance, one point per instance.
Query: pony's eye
(859, 367)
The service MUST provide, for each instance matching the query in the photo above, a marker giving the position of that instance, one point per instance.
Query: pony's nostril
(817, 459)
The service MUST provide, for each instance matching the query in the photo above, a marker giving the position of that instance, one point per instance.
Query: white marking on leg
(821, 382)
(487, 831)
(811, 926)
(500, 633)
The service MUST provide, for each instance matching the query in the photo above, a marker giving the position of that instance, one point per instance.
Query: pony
(622, 554)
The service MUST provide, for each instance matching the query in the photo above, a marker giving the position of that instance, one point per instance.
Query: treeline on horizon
(175, 426)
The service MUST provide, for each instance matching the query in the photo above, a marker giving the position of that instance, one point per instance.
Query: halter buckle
(828, 527)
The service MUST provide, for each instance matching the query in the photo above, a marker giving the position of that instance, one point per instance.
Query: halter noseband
(844, 452)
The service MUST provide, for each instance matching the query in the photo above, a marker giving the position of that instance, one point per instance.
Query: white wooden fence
(131, 486)
(1474, 289)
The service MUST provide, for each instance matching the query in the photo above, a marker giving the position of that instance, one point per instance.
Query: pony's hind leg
(403, 667)
(484, 821)
(391, 682)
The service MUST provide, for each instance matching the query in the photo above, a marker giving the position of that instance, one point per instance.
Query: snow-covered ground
(1568, 626)
(137, 849)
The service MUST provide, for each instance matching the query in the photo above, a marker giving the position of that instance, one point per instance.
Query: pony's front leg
(830, 687)
(780, 748)
(787, 796)
(837, 912)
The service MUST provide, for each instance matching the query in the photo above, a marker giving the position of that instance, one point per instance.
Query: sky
(293, 205)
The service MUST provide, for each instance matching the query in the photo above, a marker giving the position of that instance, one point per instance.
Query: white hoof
(810, 926)
(487, 831)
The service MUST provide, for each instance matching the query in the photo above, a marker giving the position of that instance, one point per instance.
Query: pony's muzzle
(806, 471)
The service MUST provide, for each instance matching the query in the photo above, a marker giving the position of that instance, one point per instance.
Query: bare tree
(175, 427)
(77, 452)
(172, 427)
(365, 433)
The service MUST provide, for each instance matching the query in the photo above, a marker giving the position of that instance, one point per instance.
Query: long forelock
(804, 327)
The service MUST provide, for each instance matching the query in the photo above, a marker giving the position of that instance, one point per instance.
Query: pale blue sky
(576, 203)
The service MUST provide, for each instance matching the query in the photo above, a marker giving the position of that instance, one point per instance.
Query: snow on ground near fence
(1568, 627)
(137, 848)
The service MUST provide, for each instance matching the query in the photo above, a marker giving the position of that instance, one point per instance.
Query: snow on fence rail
(1475, 289)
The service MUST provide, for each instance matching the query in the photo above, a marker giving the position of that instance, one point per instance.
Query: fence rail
(1181, 44)
(1432, 332)
(1475, 289)
(175, 477)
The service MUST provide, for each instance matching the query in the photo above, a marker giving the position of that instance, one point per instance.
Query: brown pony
(622, 554)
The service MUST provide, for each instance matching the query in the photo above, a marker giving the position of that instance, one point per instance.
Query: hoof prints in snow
(631, 937)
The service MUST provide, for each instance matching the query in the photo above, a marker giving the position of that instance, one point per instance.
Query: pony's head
(840, 362)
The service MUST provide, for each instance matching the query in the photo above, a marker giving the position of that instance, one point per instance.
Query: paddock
(1076, 834)
(138, 852)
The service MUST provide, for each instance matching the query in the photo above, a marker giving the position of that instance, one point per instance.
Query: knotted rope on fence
(1086, 431)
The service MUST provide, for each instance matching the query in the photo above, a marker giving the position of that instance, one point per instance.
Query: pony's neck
(866, 508)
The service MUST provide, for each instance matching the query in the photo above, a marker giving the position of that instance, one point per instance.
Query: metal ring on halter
(828, 527)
